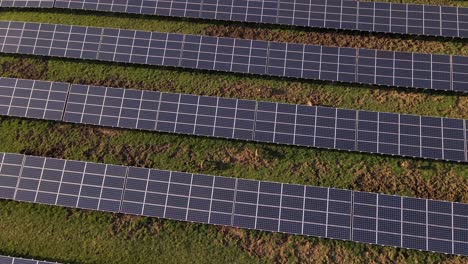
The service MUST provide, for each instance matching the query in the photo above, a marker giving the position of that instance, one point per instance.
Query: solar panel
(28, 3)
(13, 260)
(10, 170)
(32, 99)
(401, 69)
(406, 222)
(310, 126)
(335, 14)
(74, 184)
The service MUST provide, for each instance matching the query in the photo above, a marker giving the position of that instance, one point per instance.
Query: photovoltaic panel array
(336, 14)
(415, 70)
(13, 260)
(302, 125)
(27, 3)
(405, 222)
(33, 99)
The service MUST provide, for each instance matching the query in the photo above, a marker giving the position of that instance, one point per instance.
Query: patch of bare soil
(462, 106)
(403, 99)
(245, 157)
(227, 157)
(41, 146)
(338, 39)
(125, 154)
(95, 137)
(108, 132)
(94, 142)
(25, 68)
(130, 226)
(137, 155)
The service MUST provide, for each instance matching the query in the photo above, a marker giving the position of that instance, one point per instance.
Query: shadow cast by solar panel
(212, 22)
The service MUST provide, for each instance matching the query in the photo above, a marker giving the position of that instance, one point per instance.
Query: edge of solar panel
(357, 26)
(27, 4)
(305, 187)
(17, 260)
(333, 75)
(254, 129)
(48, 113)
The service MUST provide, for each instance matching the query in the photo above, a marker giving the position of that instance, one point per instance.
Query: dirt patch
(92, 142)
(228, 157)
(290, 92)
(108, 132)
(403, 99)
(39, 145)
(338, 39)
(27, 68)
(461, 104)
(130, 226)
(138, 155)
(300, 168)
(246, 157)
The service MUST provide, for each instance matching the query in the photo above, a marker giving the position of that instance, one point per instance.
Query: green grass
(94, 237)
(80, 236)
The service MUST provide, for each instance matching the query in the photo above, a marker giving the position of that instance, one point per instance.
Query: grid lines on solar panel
(51, 40)
(32, 99)
(413, 223)
(336, 14)
(10, 170)
(13, 260)
(415, 70)
(71, 183)
(28, 3)
(179, 196)
(387, 133)
(167, 112)
(460, 73)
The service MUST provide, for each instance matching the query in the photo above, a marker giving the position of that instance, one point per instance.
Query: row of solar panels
(13, 260)
(321, 127)
(406, 222)
(416, 70)
(337, 14)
